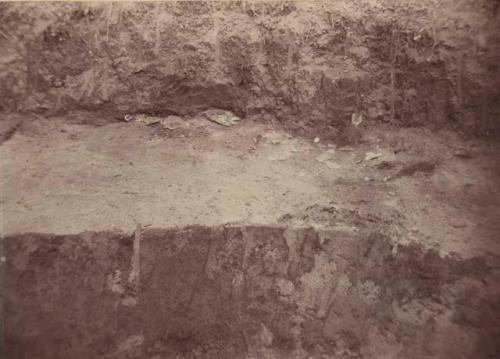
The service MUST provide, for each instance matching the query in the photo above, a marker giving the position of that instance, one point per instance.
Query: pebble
(372, 156)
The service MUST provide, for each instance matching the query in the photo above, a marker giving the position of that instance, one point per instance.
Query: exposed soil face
(203, 179)
(245, 291)
(310, 64)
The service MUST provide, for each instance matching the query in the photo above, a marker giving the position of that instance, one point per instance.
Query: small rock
(356, 119)
(221, 117)
(372, 156)
(172, 122)
(316, 140)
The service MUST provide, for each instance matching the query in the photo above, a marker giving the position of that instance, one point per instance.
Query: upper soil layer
(310, 63)
(417, 186)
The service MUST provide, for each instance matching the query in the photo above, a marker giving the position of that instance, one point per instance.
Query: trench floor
(433, 188)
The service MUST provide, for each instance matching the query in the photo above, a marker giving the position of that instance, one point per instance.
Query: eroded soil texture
(250, 179)
(245, 292)
(311, 64)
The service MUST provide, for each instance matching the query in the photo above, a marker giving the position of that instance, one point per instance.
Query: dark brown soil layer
(244, 291)
(311, 65)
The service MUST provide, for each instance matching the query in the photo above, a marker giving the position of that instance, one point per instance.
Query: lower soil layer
(244, 292)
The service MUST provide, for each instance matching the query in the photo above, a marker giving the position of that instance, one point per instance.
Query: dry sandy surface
(436, 189)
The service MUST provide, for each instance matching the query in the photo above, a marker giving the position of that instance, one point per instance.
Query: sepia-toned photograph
(252, 179)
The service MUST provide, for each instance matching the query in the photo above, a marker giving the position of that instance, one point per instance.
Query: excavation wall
(309, 64)
(244, 291)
